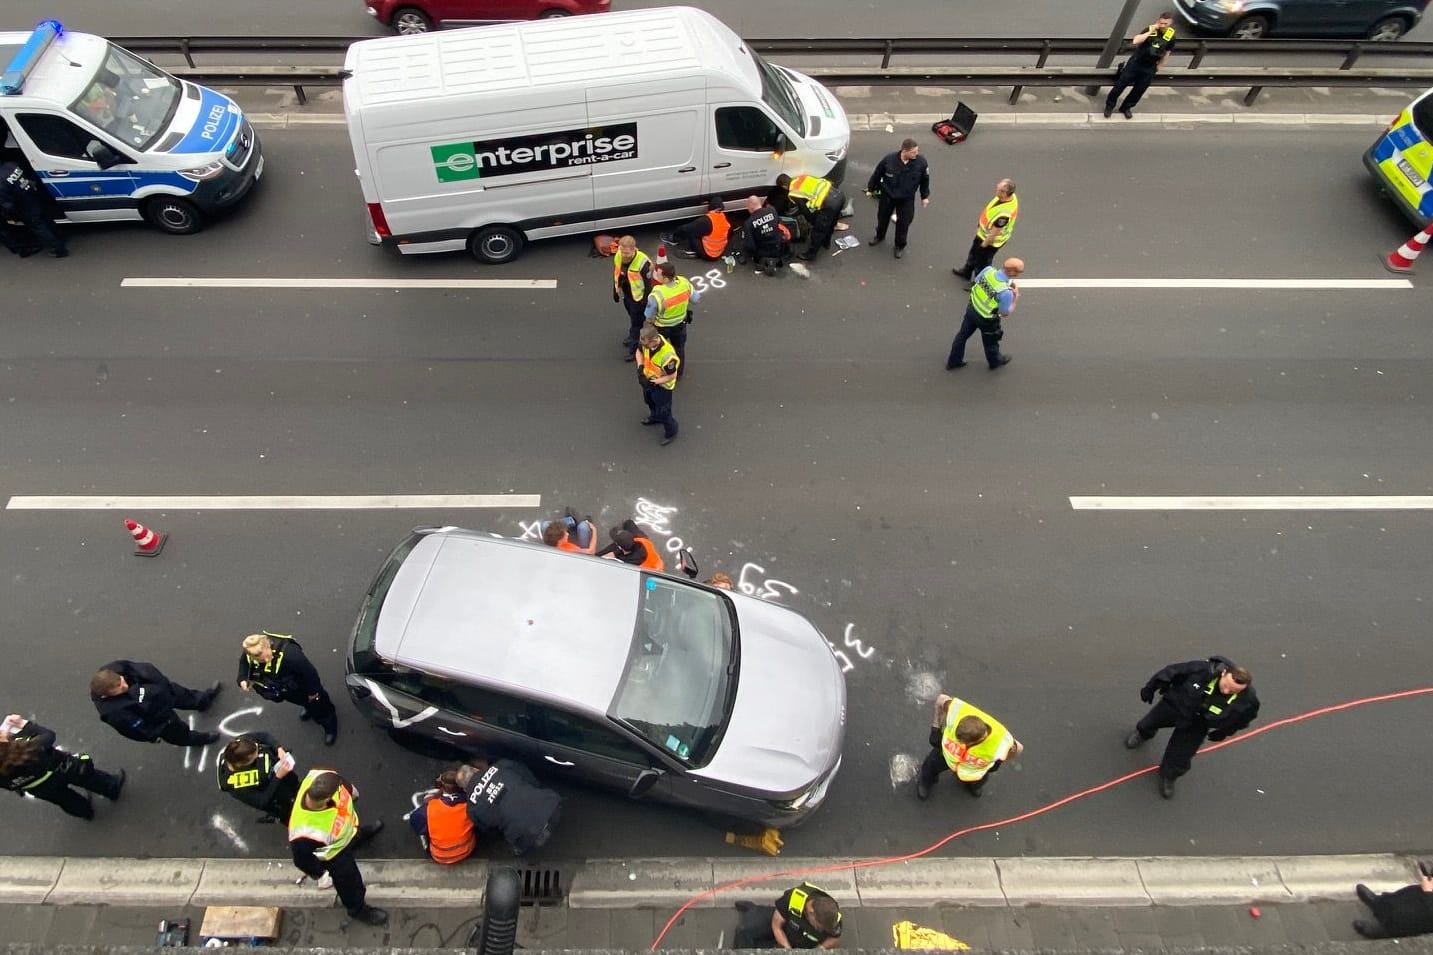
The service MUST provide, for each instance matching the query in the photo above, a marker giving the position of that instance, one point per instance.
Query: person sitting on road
(442, 822)
(631, 546)
(557, 535)
(721, 580)
(705, 236)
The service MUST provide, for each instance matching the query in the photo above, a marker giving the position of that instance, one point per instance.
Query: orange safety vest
(450, 832)
(653, 560)
(634, 274)
(714, 242)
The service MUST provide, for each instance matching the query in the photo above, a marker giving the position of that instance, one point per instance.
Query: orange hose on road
(1022, 817)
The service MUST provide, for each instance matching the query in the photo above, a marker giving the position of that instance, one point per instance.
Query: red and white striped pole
(1401, 261)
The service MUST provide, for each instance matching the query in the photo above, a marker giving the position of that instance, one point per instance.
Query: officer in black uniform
(805, 916)
(1210, 698)
(20, 200)
(895, 181)
(30, 763)
(1151, 49)
(504, 796)
(764, 237)
(258, 772)
(273, 665)
(139, 702)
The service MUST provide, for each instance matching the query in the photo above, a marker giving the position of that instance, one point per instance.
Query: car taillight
(380, 221)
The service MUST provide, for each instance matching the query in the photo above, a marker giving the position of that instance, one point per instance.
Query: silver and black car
(601, 672)
(1348, 19)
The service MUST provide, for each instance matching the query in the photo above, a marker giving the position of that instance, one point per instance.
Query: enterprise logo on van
(455, 162)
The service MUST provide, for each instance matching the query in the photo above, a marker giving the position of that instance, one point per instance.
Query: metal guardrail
(1017, 77)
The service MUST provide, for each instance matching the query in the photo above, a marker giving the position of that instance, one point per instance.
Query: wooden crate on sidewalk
(261, 922)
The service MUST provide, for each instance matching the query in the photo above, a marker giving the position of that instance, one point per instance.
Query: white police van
(113, 137)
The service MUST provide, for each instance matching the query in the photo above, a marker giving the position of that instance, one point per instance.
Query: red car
(420, 16)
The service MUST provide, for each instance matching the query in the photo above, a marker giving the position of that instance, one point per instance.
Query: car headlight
(836, 155)
(200, 173)
(1228, 6)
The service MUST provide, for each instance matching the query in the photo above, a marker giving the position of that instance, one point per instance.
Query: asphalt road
(919, 517)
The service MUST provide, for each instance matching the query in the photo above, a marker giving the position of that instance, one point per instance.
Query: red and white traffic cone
(661, 253)
(1401, 261)
(147, 542)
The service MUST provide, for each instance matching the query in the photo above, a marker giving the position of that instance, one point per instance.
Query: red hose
(1022, 817)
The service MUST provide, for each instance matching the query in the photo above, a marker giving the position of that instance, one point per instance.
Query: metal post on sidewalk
(502, 901)
(1112, 45)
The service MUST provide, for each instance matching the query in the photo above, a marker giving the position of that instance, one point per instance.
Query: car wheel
(410, 20)
(172, 215)
(551, 14)
(1389, 28)
(1251, 28)
(496, 244)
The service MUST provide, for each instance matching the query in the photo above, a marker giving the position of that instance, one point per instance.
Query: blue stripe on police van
(213, 125)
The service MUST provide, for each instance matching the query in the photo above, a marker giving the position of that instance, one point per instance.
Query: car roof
(512, 615)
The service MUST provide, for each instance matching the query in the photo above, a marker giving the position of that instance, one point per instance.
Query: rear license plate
(1405, 167)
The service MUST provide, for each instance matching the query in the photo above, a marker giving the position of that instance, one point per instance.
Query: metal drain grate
(542, 886)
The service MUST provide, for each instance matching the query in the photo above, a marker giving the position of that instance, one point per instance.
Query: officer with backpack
(273, 665)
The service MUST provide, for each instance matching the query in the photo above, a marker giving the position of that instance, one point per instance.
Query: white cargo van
(483, 139)
(113, 137)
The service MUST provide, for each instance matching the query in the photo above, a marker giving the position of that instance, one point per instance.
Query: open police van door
(114, 138)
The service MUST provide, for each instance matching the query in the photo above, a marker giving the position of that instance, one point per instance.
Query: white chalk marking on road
(226, 829)
(1339, 502)
(1296, 284)
(267, 502)
(340, 283)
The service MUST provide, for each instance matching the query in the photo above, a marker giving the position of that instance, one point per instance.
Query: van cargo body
(486, 138)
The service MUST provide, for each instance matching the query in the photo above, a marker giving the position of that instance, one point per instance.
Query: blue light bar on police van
(24, 63)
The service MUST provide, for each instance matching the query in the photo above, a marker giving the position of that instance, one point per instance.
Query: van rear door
(664, 179)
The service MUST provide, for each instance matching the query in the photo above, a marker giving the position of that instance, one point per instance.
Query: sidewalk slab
(29, 879)
(1333, 877)
(420, 883)
(767, 884)
(1074, 881)
(1212, 881)
(931, 882)
(641, 883)
(127, 882)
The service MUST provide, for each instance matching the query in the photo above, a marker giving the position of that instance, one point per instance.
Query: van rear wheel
(496, 244)
(173, 215)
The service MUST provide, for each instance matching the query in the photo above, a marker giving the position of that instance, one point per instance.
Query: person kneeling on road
(442, 822)
(804, 917)
(504, 796)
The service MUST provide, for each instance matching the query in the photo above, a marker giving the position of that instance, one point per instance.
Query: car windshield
(129, 99)
(680, 677)
(1423, 117)
(777, 92)
(364, 659)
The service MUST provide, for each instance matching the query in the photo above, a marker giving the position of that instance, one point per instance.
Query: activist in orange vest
(442, 822)
(631, 546)
(705, 236)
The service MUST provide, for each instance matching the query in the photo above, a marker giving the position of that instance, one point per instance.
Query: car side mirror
(644, 782)
(687, 563)
(103, 155)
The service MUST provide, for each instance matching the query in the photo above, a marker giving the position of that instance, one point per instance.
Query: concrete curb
(668, 883)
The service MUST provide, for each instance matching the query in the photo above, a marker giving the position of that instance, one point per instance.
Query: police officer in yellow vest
(996, 226)
(993, 297)
(670, 306)
(631, 285)
(1201, 699)
(967, 741)
(658, 365)
(324, 833)
(1151, 49)
(805, 916)
(817, 200)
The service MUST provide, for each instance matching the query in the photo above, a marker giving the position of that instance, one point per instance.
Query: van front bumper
(226, 191)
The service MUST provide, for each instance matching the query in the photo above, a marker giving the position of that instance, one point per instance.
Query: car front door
(584, 750)
(58, 151)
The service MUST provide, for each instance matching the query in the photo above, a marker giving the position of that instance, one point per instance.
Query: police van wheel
(175, 216)
(496, 244)
(410, 20)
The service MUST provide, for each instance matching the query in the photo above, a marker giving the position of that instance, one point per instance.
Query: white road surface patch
(335, 283)
(267, 502)
(1157, 283)
(226, 829)
(904, 769)
(1333, 502)
(923, 687)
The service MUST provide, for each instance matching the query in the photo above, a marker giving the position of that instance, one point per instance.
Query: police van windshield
(778, 93)
(681, 670)
(1423, 116)
(129, 99)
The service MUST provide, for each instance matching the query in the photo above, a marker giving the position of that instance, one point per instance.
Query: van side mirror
(779, 145)
(103, 155)
(687, 563)
(644, 782)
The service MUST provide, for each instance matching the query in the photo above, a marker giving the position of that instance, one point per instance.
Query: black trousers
(691, 234)
(347, 880)
(823, 221)
(1136, 80)
(979, 257)
(636, 316)
(753, 928)
(321, 710)
(659, 406)
(30, 209)
(677, 335)
(1183, 743)
(76, 771)
(934, 765)
(17, 238)
(990, 335)
(905, 211)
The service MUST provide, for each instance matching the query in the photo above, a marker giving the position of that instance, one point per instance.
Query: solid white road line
(318, 283)
(269, 502)
(1340, 502)
(1307, 284)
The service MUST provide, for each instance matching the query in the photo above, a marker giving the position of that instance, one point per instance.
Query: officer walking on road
(258, 772)
(1151, 49)
(967, 741)
(1210, 698)
(994, 228)
(895, 181)
(669, 306)
(139, 702)
(20, 199)
(324, 836)
(631, 284)
(658, 364)
(992, 299)
(31, 763)
(273, 665)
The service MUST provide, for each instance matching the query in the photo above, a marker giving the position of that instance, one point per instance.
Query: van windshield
(680, 678)
(1423, 117)
(129, 99)
(777, 92)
